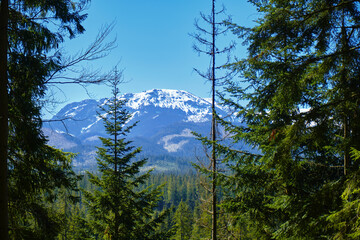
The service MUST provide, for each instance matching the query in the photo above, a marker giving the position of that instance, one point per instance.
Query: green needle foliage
(345, 221)
(302, 94)
(118, 209)
(35, 170)
(183, 222)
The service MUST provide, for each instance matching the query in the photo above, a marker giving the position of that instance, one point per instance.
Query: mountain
(166, 120)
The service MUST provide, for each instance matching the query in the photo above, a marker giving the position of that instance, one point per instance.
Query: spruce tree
(183, 222)
(31, 33)
(301, 89)
(119, 210)
(35, 170)
(344, 221)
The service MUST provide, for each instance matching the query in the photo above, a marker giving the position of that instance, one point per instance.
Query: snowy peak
(166, 98)
(166, 120)
(73, 110)
(152, 103)
(149, 107)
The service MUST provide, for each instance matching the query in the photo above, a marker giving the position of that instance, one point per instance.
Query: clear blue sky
(153, 44)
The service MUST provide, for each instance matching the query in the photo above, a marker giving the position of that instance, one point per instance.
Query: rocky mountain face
(166, 120)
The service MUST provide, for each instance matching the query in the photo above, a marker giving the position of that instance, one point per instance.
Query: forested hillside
(182, 194)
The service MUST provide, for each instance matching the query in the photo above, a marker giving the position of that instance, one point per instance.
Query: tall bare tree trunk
(207, 40)
(344, 82)
(4, 220)
(213, 131)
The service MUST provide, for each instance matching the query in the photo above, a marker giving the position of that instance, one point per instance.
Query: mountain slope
(165, 118)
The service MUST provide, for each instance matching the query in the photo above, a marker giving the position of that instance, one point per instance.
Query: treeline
(182, 195)
(176, 189)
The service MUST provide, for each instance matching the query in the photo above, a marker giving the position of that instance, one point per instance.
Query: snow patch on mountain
(87, 128)
(172, 146)
(73, 111)
(198, 118)
(195, 108)
(92, 138)
(133, 116)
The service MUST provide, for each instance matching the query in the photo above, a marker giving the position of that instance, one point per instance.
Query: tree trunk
(346, 151)
(213, 131)
(344, 82)
(4, 221)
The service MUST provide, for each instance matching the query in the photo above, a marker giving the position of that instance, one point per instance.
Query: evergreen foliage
(182, 188)
(118, 209)
(301, 89)
(35, 170)
(183, 222)
(31, 211)
(344, 222)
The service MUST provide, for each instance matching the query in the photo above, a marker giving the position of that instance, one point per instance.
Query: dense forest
(296, 93)
(180, 198)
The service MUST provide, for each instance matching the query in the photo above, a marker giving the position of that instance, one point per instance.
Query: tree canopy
(31, 32)
(300, 83)
(119, 209)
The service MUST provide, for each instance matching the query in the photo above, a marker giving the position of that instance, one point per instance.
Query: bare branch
(96, 50)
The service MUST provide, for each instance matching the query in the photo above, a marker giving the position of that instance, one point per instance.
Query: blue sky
(153, 44)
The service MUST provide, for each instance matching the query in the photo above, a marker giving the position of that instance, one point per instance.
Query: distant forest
(181, 198)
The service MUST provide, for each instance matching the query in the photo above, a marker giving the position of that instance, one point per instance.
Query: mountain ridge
(166, 119)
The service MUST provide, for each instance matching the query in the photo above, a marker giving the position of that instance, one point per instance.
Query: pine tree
(183, 222)
(119, 210)
(35, 170)
(202, 221)
(32, 169)
(344, 221)
(302, 114)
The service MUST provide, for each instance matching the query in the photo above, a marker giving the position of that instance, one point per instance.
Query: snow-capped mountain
(166, 119)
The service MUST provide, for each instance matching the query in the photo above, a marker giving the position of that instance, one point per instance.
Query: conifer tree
(30, 59)
(344, 221)
(202, 221)
(119, 210)
(206, 39)
(300, 82)
(34, 169)
(183, 222)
